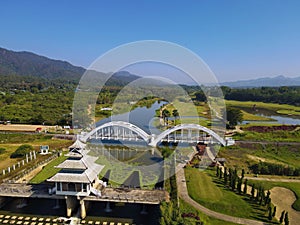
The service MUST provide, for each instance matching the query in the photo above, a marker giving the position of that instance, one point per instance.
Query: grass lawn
(210, 192)
(252, 117)
(48, 171)
(295, 187)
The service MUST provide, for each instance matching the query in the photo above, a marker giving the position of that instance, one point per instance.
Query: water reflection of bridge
(183, 133)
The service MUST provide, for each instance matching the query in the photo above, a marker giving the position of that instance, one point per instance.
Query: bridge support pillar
(71, 204)
(107, 208)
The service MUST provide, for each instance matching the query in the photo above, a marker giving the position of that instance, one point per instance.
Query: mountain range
(28, 64)
(265, 82)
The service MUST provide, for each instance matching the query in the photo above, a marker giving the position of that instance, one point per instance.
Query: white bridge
(183, 133)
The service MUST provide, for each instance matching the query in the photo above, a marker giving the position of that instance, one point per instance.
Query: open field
(241, 156)
(282, 109)
(185, 110)
(264, 134)
(12, 141)
(25, 128)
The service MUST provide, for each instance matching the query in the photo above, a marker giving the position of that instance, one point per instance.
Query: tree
(270, 213)
(252, 192)
(234, 116)
(243, 173)
(239, 185)
(200, 96)
(274, 211)
(166, 114)
(245, 187)
(282, 217)
(225, 175)
(175, 114)
(21, 151)
(286, 219)
(267, 197)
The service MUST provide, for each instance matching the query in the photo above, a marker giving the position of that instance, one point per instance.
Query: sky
(237, 39)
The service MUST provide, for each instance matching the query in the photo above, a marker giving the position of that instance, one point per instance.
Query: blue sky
(237, 39)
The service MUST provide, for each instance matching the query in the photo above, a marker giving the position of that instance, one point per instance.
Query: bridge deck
(109, 195)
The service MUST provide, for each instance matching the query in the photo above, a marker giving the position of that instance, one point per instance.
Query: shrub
(21, 151)
(2, 150)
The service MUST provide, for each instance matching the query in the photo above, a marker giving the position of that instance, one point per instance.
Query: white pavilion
(79, 173)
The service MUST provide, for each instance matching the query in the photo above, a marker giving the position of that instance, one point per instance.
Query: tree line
(281, 95)
(258, 194)
(274, 169)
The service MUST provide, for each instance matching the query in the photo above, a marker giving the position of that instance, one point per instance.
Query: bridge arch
(123, 124)
(158, 138)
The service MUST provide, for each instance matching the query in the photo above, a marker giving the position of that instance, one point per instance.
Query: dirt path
(283, 199)
(274, 179)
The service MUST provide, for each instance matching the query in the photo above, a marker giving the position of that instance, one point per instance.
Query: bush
(2, 150)
(21, 151)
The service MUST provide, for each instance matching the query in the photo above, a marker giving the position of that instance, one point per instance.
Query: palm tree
(175, 114)
(166, 114)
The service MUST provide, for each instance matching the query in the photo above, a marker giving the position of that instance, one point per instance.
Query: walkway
(183, 194)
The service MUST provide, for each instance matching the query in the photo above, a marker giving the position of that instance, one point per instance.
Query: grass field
(48, 171)
(12, 141)
(283, 109)
(251, 117)
(203, 190)
(275, 136)
(243, 155)
(186, 208)
(185, 109)
(206, 189)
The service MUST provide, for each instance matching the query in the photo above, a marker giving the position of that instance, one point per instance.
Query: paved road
(183, 193)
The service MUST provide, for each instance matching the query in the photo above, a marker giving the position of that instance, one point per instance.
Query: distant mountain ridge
(265, 82)
(28, 64)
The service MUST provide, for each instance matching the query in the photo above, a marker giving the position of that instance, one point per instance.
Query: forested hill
(26, 70)
(30, 64)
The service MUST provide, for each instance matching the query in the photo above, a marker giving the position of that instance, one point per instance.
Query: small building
(79, 173)
(44, 149)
